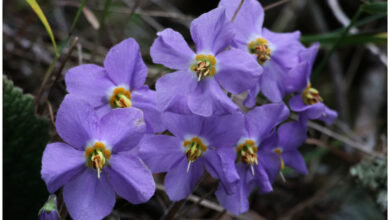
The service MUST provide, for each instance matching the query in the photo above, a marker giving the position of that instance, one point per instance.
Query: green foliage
(37, 9)
(25, 136)
(373, 175)
(355, 39)
(351, 40)
(374, 7)
(72, 28)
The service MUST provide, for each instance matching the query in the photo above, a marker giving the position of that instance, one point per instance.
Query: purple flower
(48, 215)
(309, 102)
(119, 84)
(277, 53)
(49, 210)
(259, 124)
(97, 159)
(195, 86)
(281, 150)
(198, 143)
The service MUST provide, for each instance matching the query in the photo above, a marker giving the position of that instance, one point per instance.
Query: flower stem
(205, 196)
(173, 209)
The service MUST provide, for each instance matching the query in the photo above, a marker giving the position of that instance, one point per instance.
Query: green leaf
(337, 33)
(72, 28)
(37, 9)
(331, 38)
(25, 136)
(374, 7)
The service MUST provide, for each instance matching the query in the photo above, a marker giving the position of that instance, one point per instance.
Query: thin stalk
(73, 26)
(205, 196)
(132, 11)
(219, 216)
(107, 6)
(50, 69)
(76, 18)
(63, 62)
(44, 81)
(276, 4)
(175, 208)
(321, 66)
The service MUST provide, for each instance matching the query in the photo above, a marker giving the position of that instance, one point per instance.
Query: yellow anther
(260, 48)
(204, 66)
(97, 156)
(200, 57)
(311, 96)
(212, 59)
(281, 164)
(194, 150)
(261, 41)
(247, 153)
(279, 152)
(120, 98)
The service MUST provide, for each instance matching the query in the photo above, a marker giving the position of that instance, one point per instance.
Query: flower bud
(49, 210)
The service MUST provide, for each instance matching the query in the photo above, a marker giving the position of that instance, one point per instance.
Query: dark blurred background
(347, 161)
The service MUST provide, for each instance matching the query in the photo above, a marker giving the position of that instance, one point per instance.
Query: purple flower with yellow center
(277, 53)
(97, 160)
(119, 84)
(281, 150)
(259, 124)
(309, 104)
(198, 143)
(196, 85)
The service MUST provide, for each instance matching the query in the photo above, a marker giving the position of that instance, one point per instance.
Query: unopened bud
(49, 210)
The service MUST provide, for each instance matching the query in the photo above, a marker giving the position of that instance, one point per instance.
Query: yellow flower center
(260, 48)
(204, 66)
(120, 98)
(97, 156)
(311, 96)
(247, 153)
(194, 150)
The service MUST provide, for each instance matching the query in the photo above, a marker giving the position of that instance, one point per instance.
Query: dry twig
(51, 114)
(343, 139)
(273, 5)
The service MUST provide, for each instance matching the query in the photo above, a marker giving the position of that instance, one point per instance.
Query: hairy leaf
(25, 137)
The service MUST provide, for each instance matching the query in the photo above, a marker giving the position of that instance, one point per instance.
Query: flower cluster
(113, 124)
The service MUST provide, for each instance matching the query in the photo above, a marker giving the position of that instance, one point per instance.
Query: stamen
(188, 166)
(97, 156)
(204, 66)
(247, 153)
(121, 98)
(98, 171)
(279, 152)
(194, 150)
(260, 49)
(282, 176)
(253, 171)
(311, 96)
